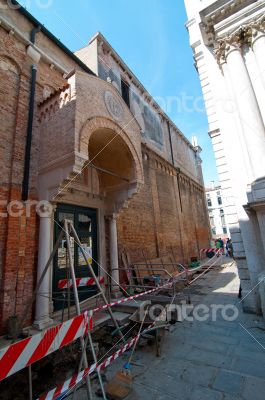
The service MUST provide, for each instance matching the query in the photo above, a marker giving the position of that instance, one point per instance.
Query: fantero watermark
(189, 312)
(18, 208)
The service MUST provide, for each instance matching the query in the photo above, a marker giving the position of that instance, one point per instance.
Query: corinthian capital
(225, 46)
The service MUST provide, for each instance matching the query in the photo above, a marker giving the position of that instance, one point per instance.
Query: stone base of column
(43, 323)
(115, 292)
(262, 292)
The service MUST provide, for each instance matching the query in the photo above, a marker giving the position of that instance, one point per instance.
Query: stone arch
(98, 123)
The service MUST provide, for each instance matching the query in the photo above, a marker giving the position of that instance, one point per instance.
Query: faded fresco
(148, 120)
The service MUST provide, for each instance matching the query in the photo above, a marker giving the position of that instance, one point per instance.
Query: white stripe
(80, 332)
(26, 354)
(59, 337)
(3, 352)
(50, 394)
(83, 281)
(66, 385)
(35, 340)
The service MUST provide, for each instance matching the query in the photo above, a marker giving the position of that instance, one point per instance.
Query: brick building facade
(102, 154)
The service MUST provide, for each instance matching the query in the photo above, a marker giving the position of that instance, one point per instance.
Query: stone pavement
(215, 360)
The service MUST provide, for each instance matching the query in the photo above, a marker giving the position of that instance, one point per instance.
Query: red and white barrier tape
(70, 383)
(209, 250)
(80, 282)
(19, 355)
(103, 307)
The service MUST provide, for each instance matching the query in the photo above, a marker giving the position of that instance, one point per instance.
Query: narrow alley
(215, 360)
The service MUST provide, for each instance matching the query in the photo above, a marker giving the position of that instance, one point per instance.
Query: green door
(85, 223)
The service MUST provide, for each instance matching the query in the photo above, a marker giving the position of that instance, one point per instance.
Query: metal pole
(30, 383)
(96, 361)
(80, 366)
(68, 285)
(96, 280)
(135, 343)
(77, 305)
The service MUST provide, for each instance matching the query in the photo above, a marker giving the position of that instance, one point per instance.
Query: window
(219, 200)
(209, 202)
(125, 92)
(213, 231)
(221, 211)
(212, 221)
(223, 219)
(224, 229)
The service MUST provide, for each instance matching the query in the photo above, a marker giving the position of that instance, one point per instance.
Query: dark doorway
(85, 224)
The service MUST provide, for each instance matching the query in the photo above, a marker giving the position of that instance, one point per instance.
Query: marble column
(114, 260)
(42, 310)
(258, 46)
(250, 117)
(255, 77)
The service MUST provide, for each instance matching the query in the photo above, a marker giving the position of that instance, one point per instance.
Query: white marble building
(217, 208)
(228, 41)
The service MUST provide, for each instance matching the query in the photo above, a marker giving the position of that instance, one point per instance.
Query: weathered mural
(148, 120)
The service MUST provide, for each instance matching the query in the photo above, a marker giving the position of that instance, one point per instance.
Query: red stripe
(62, 283)
(91, 323)
(72, 330)
(58, 391)
(11, 356)
(44, 344)
(73, 381)
(78, 281)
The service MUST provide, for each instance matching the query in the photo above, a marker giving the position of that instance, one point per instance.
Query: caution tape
(208, 250)
(61, 389)
(21, 354)
(103, 307)
(80, 282)
(27, 351)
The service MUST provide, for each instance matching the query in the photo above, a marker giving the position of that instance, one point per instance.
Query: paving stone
(203, 377)
(208, 358)
(186, 333)
(142, 392)
(255, 354)
(249, 367)
(201, 393)
(167, 385)
(254, 389)
(210, 345)
(228, 382)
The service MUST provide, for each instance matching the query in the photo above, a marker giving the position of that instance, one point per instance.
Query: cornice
(243, 35)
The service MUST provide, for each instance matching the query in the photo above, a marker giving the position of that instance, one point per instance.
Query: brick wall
(18, 234)
(164, 216)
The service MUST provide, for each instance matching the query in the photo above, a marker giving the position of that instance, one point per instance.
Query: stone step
(121, 318)
(129, 306)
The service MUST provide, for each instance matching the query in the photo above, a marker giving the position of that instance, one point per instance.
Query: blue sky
(150, 36)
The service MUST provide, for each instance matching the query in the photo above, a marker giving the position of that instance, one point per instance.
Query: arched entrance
(94, 163)
(113, 161)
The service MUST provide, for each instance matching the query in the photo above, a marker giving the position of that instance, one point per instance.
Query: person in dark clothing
(229, 248)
